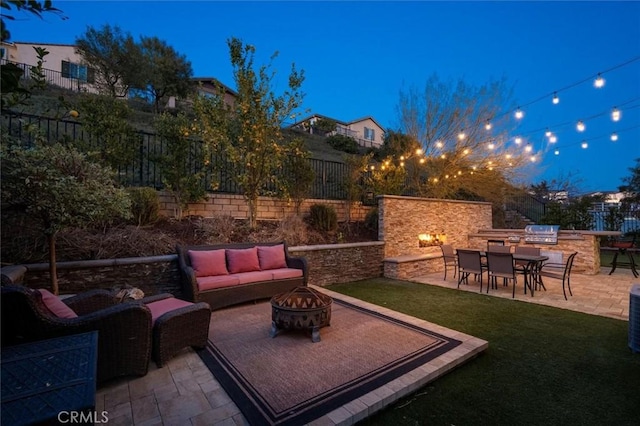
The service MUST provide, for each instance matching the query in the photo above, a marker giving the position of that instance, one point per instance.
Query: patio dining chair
(469, 262)
(500, 265)
(450, 259)
(560, 272)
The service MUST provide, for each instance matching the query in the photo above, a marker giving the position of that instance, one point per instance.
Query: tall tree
(462, 158)
(249, 133)
(114, 55)
(165, 71)
(57, 185)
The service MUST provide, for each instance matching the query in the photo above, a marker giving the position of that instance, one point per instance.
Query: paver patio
(185, 391)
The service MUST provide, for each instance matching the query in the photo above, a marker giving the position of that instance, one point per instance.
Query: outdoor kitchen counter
(586, 243)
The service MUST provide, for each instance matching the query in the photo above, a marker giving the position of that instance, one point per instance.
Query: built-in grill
(541, 234)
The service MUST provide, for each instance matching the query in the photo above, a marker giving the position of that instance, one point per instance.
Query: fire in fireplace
(433, 239)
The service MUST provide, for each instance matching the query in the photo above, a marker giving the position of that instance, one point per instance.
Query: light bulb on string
(518, 140)
(556, 99)
(615, 114)
(519, 114)
(553, 139)
(439, 144)
(528, 148)
(488, 125)
(580, 126)
(548, 133)
(598, 83)
(491, 145)
(614, 136)
(533, 158)
(556, 152)
(461, 135)
(584, 145)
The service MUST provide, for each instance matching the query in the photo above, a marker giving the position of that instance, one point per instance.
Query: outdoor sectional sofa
(226, 274)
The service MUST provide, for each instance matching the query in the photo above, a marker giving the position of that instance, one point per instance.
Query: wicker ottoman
(176, 325)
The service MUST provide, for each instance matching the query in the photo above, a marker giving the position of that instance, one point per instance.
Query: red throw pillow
(243, 260)
(272, 257)
(55, 305)
(206, 263)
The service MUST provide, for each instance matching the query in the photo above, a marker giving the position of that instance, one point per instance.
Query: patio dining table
(530, 270)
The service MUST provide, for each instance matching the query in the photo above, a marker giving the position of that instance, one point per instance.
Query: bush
(323, 218)
(145, 205)
(343, 143)
(371, 220)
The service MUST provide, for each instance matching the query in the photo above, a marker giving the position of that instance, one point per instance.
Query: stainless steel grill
(541, 234)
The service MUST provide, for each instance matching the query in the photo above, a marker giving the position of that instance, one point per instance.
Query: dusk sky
(358, 56)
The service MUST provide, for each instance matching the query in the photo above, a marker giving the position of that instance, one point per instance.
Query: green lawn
(544, 366)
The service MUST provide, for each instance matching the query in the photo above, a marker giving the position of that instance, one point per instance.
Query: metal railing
(144, 169)
(528, 206)
(54, 77)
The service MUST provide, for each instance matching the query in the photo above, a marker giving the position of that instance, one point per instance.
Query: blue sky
(358, 56)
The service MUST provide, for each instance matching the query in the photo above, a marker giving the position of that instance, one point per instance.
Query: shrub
(323, 218)
(371, 220)
(343, 143)
(145, 205)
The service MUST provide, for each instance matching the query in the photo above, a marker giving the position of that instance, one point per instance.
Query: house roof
(214, 80)
(344, 123)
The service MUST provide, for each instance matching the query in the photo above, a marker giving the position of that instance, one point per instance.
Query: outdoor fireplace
(432, 239)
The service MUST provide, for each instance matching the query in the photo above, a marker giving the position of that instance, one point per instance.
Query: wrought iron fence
(144, 169)
(55, 78)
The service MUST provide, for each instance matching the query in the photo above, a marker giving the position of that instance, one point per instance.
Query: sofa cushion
(243, 260)
(217, 281)
(283, 273)
(206, 263)
(56, 306)
(272, 257)
(163, 306)
(254, 277)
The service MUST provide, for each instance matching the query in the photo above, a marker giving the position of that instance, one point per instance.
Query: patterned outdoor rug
(288, 380)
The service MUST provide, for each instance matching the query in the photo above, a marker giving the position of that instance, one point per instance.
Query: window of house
(369, 134)
(2, 52)
(78, 71)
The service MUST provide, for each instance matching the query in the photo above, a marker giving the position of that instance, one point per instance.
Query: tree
(59, 186)
(459, 157)
(178, 177)
(165, 71)
(10, 74)
(298, 174)
(248, 134)
(114, 55)
(631, 185)
(324, 126)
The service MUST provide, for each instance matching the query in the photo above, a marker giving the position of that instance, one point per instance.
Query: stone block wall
(269, 208)
(402, 219)
(341, 263)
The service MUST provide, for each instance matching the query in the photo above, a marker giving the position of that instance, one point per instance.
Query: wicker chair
(124, 329)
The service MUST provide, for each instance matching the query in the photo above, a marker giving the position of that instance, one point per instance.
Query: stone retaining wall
(269, 208)
(328, 264)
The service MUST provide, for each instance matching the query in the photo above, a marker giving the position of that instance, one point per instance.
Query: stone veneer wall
(341, 263)
(269, 208)
(328, 264)
(401, 219)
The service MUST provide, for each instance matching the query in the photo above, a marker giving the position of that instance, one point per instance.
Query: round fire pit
(302, 308)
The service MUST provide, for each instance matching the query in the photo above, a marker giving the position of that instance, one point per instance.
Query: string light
(615, 114)
(461, 135)
(584, 145)
(491, 145)
(553, 139)
(614, 136)
(528, 148)
(488, 125)
(439, 144)
(548, 133)
(580, 126)
(556, 99)
(598, 83)
(556, 152)
(518, 140)
(519, 114)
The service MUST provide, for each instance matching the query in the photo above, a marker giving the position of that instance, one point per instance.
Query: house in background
(366, 131)
(63, 67)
